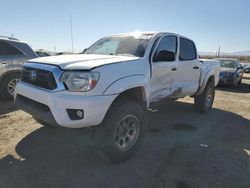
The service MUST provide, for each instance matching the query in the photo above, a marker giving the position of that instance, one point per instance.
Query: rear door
(186, 77)
(162, 72)
(6, 60)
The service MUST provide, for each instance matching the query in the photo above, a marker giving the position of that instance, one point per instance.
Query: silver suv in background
(13, 54)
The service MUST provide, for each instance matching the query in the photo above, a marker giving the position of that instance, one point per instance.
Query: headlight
(80, 81)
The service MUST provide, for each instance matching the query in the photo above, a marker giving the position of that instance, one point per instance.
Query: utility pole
(219, 52)
(71, 31)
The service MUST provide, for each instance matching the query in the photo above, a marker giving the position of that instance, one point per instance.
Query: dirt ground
(182, 149)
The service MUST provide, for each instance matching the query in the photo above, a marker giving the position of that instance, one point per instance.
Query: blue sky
(45, 24)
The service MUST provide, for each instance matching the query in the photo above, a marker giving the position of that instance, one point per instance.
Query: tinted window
(168, 43)
(187, 50)
(1, 49)
(26, 49)
(42, 54)
(7, 49)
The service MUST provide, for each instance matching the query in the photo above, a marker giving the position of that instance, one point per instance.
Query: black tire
(8, 83)
(204, 102)
(240, 81)
(42, 122)
(109, 139)
(237, 84)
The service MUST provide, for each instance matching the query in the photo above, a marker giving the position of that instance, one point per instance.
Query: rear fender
(203, 83)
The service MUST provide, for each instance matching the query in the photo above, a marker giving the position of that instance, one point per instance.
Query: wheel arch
(136, 94)
(131, 85)
(208, 78)
(6, 74)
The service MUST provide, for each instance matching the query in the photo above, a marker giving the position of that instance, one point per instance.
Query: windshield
(227, 63)
(120, 45)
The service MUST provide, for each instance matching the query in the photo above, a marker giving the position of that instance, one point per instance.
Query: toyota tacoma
(112, 84)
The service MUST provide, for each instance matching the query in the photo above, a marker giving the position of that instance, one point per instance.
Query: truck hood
(81, 61)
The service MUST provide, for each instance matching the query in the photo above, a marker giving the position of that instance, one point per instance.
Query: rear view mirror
(165, 55)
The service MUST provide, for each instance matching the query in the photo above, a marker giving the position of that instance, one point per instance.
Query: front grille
(37, 77)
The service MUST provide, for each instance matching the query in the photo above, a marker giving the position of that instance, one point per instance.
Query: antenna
(71, 31)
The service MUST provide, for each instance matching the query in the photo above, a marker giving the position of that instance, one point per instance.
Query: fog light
(79, 113)
(75, 114)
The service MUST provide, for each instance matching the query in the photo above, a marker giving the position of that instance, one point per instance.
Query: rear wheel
(122, 130)
(9, 84)
(203, 103)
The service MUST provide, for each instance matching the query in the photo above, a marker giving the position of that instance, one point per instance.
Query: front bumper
(226, 80)
(51, 107)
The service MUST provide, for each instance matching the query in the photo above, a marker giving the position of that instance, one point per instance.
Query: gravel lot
(182, 149)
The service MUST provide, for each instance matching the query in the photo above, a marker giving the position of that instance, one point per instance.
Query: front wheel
(122, 130)
(9, 84)
(204, 102)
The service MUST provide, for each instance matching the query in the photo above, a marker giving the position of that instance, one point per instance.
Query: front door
(162, 71)
(6, 60)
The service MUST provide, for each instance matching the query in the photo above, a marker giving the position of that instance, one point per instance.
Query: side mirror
(165, 55)
(240, 66)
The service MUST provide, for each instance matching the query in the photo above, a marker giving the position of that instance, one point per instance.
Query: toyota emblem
(33, 75)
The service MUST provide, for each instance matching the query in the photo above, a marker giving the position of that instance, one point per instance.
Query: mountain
(240, 53)
(207, 53)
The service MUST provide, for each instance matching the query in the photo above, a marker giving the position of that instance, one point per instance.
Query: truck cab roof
(152, 33)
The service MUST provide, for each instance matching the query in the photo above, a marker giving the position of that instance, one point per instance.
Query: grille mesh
(37, 77)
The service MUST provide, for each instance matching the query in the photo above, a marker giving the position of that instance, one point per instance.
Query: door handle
(196, 67)
(174, 69)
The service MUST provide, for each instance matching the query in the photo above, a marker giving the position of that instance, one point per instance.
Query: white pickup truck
(113, 83)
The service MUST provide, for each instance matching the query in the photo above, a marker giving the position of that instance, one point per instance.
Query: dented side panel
(161, 81)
